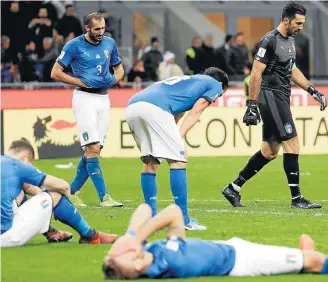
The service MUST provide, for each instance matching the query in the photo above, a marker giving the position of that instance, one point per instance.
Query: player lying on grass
(33, 217)
(179, 257)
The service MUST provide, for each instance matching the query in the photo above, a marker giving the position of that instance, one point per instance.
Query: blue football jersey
(91, 62)
(179, 94)
(14, 174)
(177, 258)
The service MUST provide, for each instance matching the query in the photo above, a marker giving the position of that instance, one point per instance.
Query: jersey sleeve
(67, 54)
(29, 174)
(264, 50)
(214, 90)
(115, 60)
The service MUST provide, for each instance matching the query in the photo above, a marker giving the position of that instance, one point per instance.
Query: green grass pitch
(267, 219)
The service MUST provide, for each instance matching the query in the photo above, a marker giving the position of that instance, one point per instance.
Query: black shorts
(278, 124)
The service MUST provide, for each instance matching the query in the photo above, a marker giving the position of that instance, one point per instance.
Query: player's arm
(31, 189)
(57, 73)
(299, 79)
(177, 117)
(171, 217)
(193, 116)
(54, 184)
(256, 79)
(118, 72)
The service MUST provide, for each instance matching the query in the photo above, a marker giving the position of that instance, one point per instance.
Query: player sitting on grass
(53, 235)
(33, 217)
(179, 257)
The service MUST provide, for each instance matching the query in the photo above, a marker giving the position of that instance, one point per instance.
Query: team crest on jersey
(107, 55)
(85, 136)
(288, 128)
(44, 204)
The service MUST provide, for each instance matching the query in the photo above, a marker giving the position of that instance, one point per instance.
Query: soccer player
(179, 257)
(91, 56)
(152, 115)
(269, 90)
(18, 225)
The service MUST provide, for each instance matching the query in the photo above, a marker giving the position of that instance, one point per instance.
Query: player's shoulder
(269, 36)
(109, 40)
(75, 41)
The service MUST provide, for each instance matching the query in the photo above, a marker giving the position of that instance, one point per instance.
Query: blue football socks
(325, 267)
(179, 188)
(68, 214)
(96, 176)
(149, 189)
(81, 176)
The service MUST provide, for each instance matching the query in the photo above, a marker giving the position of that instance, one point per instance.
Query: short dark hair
(218, 75)
(23, 144)
(154, 39)
(93, 16)
(110, 273)
(69, 6)
(291, 9)
(228, 37)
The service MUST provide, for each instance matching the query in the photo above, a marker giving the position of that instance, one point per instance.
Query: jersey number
(99, 69)
(175, 79)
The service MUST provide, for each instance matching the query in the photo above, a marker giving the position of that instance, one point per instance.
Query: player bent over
(179, 257)
(153, 114)
(33, 217)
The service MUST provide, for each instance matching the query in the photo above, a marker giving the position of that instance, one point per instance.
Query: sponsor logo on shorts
(288, 128)
(85, 136)
(45, 203)
(291, 258)
(182, 153)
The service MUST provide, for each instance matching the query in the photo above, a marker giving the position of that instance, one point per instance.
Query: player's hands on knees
(321, 98)
(252, 115)
(123, 244)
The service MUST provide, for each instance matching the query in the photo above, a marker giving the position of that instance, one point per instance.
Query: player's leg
(85, 115)
(53, 235)
(141, 135)
(30, 219)
(291, 147)
(148, 181)
(257, 260)
(269, 150)
(102, 127)
(65, 212)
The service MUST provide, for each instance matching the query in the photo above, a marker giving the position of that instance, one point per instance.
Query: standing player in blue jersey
(153, 114)
(18, 225)
(91, 56)
(179, 257)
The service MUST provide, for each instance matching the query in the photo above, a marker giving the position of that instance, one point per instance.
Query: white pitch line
(235, 211)
(209, 200)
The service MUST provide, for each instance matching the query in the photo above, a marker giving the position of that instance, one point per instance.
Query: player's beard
(291, 32)
(95, 38)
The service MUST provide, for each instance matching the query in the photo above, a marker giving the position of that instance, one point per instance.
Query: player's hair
(93, 16)
(219, 75)
(23, 145)
(110, 273)
(291, 9)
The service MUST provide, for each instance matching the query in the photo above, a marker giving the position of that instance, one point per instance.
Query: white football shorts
(155, 132)
(257, 260)
(30, 219)
(92, 113)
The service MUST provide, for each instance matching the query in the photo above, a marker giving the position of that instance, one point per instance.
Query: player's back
(10, 189)
(179, 94)
(179, 258)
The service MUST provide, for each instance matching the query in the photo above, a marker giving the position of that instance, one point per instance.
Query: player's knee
(150, 167)
(55, 198)
(177, 165)
(92, 150)
(313, 261)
